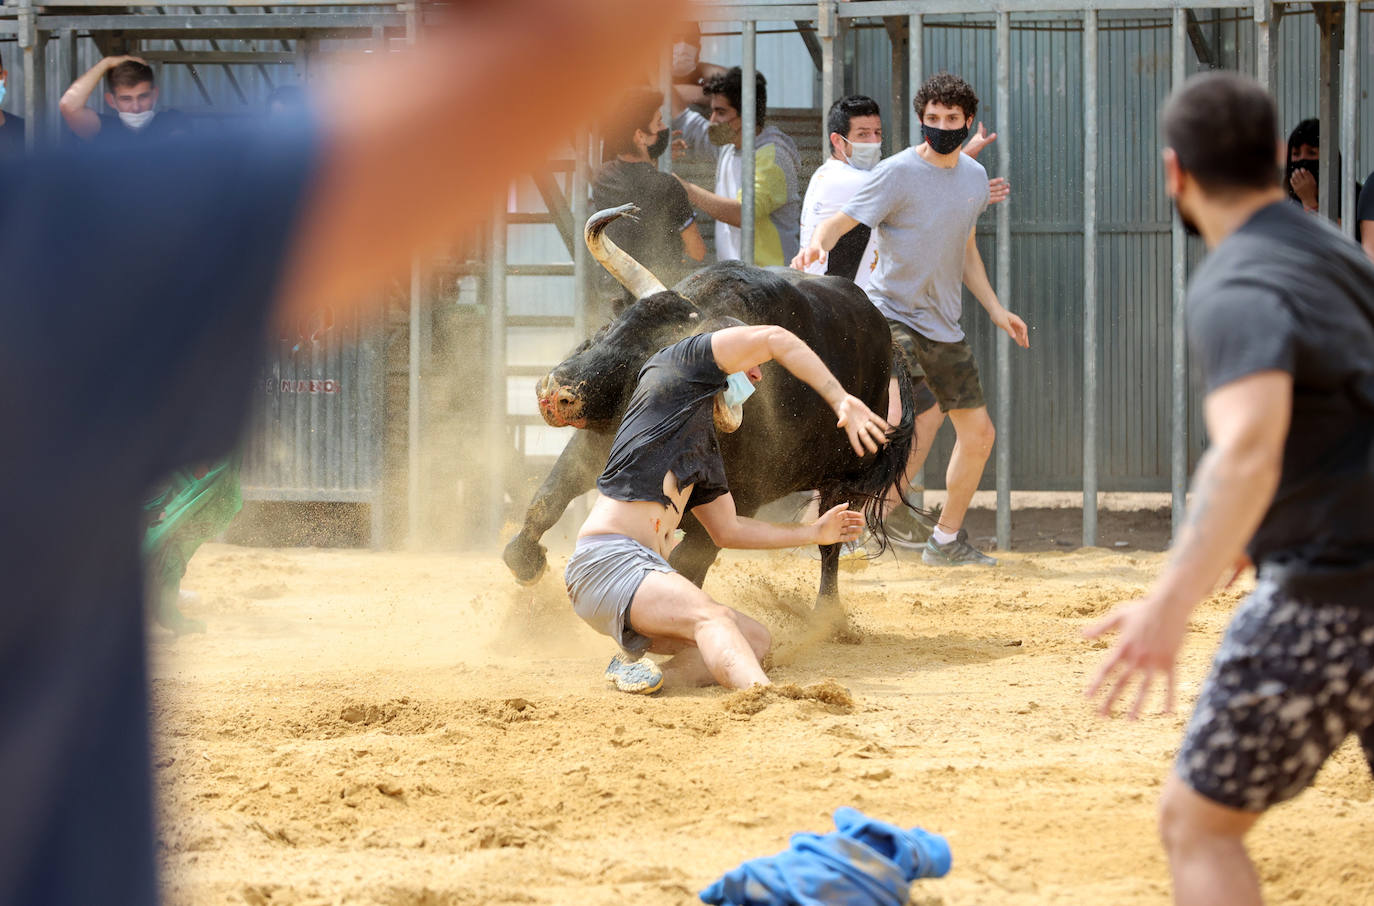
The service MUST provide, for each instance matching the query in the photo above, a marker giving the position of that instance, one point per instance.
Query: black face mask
(660, 144)
(944, 141)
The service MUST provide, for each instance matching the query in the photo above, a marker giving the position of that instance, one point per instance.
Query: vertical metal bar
(749, 124)
(578, 193)
(899, 34)
(1178, 441)
(1004, 129)
(1350, 73)
(414, 485)
(665, 85)
(1090, 278)
(497, 450)
(32, 46)
(826, 14)
(413, 482)
(1265, 70)
(1329, 60)
(916, 61)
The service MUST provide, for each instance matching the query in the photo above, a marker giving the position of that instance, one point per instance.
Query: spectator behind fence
(131, 91)
(777, 199)
(665, 234)
(11, 127)
(1301, 169)
(688, 71)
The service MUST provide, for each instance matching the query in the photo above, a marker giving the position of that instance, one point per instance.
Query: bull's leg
(829, 610)
(574, 474)
(694, 556)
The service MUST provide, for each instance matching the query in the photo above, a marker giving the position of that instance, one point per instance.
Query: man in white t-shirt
(856, 142)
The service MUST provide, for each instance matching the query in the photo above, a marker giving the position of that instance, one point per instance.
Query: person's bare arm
(692, 243)
(828, 232)
(976, 279)
(742, 348)
(1247, 421)
(728, 528)
(399, 170)
(84, 121)
(1367, 237)
(726, 210)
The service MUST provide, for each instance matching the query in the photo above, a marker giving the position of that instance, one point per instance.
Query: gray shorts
(602, 577)
(1291, 681)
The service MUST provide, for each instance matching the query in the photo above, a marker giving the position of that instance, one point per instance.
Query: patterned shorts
(1290, 682)
(948, 368)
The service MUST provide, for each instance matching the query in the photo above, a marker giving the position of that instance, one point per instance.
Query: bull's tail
(888, 469)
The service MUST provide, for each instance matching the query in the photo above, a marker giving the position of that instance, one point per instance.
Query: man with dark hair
(131, 91)
(11, 126)
(1364, 216)
(777, 198)
(145, 344)
(1281, 320)
(924, 203)
(664, 236)
(666, 461)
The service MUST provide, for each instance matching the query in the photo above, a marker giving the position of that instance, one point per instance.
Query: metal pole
(1004, 129)
(1328, 61)
(32, 47)
(497, 450)
(916, 40)
(826, 14)
(1265, 23)
(1350, 73)
(413, 467)
(1178, 441)
(1090, 278)
(899, 34)
(579, 215)
(749, 125)
(665, 84)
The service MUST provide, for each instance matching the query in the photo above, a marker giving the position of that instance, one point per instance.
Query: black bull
(788, 441)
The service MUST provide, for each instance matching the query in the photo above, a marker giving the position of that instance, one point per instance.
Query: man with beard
(1281, 321)
(663, 236)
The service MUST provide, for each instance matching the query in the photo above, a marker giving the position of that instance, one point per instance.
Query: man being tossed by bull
(665, 460)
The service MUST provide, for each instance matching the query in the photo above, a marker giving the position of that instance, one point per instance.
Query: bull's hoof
(527, 560)
(830, 615)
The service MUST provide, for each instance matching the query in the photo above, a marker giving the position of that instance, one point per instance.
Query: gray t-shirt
(922, 215)
(1287, 292)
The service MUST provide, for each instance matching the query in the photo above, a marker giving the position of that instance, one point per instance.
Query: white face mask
(137, 121)
(864, 155)
(684, 59)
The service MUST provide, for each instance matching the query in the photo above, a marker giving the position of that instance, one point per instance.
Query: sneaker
(957, 553)
(908, 529)
(641, 677)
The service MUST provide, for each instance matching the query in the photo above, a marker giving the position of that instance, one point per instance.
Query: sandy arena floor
(414, 730)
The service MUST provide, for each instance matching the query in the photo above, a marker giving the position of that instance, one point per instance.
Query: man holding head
(11, 126)
(131, 91)
(1281, 321)
(924, 203)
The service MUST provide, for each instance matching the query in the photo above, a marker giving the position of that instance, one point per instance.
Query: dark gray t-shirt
(1288, 292)
(923, 215)
(670, 427)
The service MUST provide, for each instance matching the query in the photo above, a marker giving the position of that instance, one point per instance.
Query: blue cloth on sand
(864, 862)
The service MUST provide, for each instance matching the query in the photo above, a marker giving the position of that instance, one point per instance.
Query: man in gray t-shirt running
(923, 203)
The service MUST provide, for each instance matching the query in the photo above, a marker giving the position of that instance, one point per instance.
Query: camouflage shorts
(948, 368)
(1291, 681)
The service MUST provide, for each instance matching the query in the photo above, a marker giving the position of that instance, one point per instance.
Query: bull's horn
(635, 277)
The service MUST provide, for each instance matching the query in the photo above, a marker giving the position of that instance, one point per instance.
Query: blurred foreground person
(1281, 320)
(134, 315)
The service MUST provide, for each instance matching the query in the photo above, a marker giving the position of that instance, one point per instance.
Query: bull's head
(593, 385)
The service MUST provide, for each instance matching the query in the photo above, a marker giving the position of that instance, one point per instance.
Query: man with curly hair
(924, 203)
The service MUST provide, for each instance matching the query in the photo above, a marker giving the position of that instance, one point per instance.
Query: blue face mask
(738, 389)
(2, 92)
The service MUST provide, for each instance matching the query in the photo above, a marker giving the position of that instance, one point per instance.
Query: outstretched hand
(981, 139)
(865, 429)
(807, 257)
(1014, 326)
(1151, 633)
(999, 190)
(839, 525)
